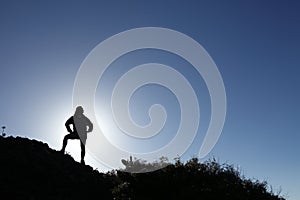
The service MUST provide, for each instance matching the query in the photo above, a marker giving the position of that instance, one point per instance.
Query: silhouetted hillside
(29, 169)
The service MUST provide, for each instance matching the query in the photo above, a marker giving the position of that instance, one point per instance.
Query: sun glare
(73, 149)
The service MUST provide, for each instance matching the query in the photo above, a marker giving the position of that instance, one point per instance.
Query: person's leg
(65, 141)
(82, 145)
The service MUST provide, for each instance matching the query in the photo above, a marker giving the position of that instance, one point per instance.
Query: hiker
(81, 125)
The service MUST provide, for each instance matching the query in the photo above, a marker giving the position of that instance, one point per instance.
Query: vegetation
(190, 180)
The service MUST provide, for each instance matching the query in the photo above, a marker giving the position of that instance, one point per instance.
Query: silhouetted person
(81, 125)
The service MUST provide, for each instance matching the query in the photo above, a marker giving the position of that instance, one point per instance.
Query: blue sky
(255, 45)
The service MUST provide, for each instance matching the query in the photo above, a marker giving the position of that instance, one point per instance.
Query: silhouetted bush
(191, 180)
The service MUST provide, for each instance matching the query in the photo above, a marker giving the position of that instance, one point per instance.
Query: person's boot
(62, 151)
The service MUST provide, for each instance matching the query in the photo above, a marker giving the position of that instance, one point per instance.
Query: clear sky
(255, 45)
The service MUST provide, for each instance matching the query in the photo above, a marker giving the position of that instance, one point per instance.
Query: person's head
(79, 111)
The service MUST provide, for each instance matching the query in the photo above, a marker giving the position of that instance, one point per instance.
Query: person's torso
(80, 124)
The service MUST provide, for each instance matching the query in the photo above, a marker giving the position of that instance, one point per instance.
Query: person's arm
(90, 125)
(68, 123)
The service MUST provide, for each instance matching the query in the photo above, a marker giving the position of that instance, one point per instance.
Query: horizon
(255, 46)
